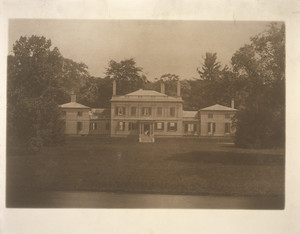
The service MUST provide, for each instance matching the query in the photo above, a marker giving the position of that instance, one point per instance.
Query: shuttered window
(132, 126)
(172, 111)
(133, 111)
(159, 111)
(211, 127)
(79, 126)
(120, 110)
(121, 126)
(227, 127)
(172, 126)
(159, 126)
(146, 111)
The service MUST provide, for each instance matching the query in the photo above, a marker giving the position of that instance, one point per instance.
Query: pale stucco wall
(71, 119)
(219, 119)
(127, 117)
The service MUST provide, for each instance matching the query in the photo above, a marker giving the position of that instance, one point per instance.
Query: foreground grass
(170, 166)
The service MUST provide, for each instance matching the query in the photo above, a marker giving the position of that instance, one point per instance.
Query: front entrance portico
(146, 131)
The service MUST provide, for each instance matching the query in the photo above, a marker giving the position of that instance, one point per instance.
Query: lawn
(169, 166)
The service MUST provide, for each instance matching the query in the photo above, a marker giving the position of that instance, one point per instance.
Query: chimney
(114, 88)
(178, 88)
(162, 87)
(73, 97)
(232, 103)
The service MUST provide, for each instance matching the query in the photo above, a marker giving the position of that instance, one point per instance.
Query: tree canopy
(127, 74)
(261, 64)
(210, 69)
(38, 79)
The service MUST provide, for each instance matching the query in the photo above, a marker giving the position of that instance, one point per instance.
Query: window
(159, 111)
(211, 128)
(210, 115)
(146, 111)
(107, 126)
(172, 126)
(227, 116)
(133, 126)
(227, 127)
(172, 111)
(79, 113)
(190, 127)
(120, 110)
(79, 126)
(93, 126)
(159, 126)
(121, 126)
(133, 111)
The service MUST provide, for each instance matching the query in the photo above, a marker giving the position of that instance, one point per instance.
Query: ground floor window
(227, 127)
(132, 126)
(172, 126)
(79, 126)
(211, 128)
(190, 127)
(93, 126)
(121, 126)
(159, 126)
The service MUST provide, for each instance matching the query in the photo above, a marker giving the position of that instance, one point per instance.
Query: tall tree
(36, 83)
(127, 74)
(210, 69)
(261, 64)
(215, 85)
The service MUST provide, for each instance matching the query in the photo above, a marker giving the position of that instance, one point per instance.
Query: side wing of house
(217, 121)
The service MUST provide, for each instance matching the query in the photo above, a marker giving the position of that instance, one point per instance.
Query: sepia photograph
(166, 114)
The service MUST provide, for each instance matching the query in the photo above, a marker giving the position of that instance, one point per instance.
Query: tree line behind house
(39, 78)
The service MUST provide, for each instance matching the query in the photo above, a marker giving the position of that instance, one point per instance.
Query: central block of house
(145, 114)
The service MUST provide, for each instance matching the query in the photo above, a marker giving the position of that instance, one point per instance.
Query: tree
(261, 64)
(37, 81)
(210, 69)
(96, 92)
(215, 85)
(128, 76)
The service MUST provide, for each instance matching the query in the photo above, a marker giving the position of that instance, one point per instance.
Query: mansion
(145, 115)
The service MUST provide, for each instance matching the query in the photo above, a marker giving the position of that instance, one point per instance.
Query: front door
(146, 132)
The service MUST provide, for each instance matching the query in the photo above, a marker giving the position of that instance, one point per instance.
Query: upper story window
(107, 126)
(227, 116)
(120, 110)
(210, 115)
(146, 111)
(133, 111)
(79, 113)
(159, 111)
(172, 111)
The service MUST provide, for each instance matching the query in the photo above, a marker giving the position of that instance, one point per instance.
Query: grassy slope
(173, 166)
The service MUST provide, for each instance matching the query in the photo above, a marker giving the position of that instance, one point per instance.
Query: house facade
(145, 115)
(216, 120)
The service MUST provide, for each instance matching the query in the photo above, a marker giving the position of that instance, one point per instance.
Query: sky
(159, 47)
